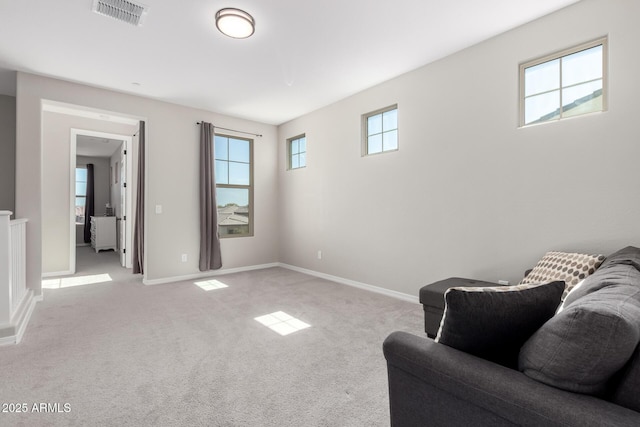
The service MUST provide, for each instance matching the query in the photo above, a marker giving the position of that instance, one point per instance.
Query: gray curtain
(138, 230)
(89, 204)
(210, 258)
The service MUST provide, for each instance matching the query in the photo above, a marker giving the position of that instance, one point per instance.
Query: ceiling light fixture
(235, 23)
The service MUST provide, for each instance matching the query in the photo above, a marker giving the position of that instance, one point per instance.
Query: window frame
(84, 196)
(290, 153)
(365, 130)
(601, 41)
(250, 187)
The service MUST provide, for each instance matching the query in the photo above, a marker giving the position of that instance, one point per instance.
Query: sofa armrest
(432, 384)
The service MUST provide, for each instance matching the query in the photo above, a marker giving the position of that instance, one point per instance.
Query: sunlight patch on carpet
(210, 285)
(282, 323)
(68, 282)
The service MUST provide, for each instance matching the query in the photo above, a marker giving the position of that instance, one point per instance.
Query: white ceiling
(94, 146)
(304, 54)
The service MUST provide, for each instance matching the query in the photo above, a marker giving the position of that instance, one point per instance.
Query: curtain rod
(238, 131)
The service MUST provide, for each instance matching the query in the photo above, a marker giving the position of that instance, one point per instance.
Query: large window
(566, 84)
(234, 185)
(81, 194)
(380, 130)
(297, 149)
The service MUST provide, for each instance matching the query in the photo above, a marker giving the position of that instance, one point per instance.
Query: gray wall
(7, 152)
(469, 193)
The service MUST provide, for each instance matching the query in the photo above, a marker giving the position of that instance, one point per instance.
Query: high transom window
(380, 130)
(297, 148)
(566, 84)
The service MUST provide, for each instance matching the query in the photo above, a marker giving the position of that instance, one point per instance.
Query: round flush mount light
(235, 23)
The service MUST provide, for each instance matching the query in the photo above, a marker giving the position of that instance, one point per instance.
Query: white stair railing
(13, 288)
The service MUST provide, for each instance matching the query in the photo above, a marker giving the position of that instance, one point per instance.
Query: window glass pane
(222, 172)
(220, 148)
(226, 197)
(295, 161)
(81, 174)
(582, 66)
(374, 144)
(542, 107)
(581, 99)
(239, 150)
(390, 140)
(239, 173)
(80, 201)
(390, 120)
(295, 146)
(233, 211)
(303, 160)
(81, 188)
(374, 124)
(303, 144)
(542, 77)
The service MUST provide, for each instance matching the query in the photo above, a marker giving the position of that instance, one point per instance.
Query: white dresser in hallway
(103, 233)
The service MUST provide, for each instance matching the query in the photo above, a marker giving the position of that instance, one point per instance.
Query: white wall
(172, 177)
(469, 193)
(7, 152)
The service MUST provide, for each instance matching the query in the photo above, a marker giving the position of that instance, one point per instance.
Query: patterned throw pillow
(571, 268)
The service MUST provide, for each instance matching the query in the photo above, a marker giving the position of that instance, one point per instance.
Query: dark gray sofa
(431, 384)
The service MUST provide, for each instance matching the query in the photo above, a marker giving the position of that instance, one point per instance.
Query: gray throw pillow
(583, 346)
(494, 322)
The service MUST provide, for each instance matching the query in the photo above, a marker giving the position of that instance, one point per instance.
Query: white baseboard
(58, 273)
(348, 282)
(210, 273)
(20, 319)
(360, 285)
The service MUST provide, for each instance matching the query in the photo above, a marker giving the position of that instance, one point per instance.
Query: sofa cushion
(583, 346)
(494, 322)
(626, 393)
(572, 268)
(613, 271)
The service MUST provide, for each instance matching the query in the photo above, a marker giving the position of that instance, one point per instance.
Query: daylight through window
(234, 185)
(563, 85)
(81, 194)
(381, 130)
(297, 152)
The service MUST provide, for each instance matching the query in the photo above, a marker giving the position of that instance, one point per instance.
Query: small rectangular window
(380, 130)
(297, 149)
(81, 194)
(234, 185)
(565, 84)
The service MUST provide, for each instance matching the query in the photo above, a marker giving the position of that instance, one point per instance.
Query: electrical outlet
(184, 257)
(503, 282)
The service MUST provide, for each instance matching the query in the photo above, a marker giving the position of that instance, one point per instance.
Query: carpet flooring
(119, 353)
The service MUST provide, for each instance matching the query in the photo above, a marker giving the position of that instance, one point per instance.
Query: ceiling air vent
(122, 10)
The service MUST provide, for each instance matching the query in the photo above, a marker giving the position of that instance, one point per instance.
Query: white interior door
(123, 205)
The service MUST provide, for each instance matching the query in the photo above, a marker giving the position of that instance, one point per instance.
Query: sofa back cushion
(627, 393)
(583, 346)
(613, 271)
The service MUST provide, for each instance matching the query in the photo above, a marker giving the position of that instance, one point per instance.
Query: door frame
(128, 141)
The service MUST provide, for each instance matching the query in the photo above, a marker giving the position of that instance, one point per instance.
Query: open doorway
(106, 231)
